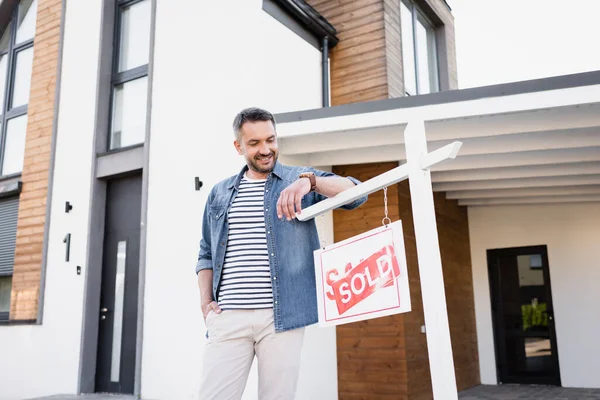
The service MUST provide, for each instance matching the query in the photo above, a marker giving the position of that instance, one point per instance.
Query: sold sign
(377, 271)
(363, 277)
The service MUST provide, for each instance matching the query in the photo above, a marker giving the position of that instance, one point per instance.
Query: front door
(523, 316)
(115, 369)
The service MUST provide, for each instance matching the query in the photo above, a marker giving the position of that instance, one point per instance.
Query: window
(419, 53)
(8, 235)
(16, 60)
(130, 73)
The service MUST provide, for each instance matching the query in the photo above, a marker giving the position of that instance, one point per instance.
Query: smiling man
(255, 265)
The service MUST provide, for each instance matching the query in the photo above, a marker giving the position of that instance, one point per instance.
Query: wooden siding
(453, 234)
(38, 145)
(393, 47)
(367, 62)
(358, 63)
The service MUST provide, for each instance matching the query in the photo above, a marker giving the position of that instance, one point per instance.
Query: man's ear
(238, 147)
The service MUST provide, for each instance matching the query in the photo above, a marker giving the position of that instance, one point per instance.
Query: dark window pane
(525, 315)
(5, 287)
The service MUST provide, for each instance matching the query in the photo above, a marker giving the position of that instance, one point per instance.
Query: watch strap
(312, 178)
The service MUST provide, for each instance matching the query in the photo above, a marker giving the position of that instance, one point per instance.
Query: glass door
(524, 325)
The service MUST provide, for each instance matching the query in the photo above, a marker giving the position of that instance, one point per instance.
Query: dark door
(115, 369)
(523, 316)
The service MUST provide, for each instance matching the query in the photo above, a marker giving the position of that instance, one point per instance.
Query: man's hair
(252, 114)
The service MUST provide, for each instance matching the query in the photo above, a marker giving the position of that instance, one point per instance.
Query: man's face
(258, 144)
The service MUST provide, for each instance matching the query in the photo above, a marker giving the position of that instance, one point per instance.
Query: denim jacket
(290, 244)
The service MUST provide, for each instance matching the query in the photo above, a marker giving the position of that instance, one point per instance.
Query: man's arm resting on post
(330, 186)
(290, 200)
(325, 181)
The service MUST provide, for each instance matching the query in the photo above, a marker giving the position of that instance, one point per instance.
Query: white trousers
(234, 338)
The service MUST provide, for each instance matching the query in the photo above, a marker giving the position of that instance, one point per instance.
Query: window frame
(120, 78)
(415, 13)
(7, 113)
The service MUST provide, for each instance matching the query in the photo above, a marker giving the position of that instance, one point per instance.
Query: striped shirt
(246, 281)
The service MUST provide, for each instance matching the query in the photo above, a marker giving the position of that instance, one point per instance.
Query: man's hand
(291, 197)
(206, 308)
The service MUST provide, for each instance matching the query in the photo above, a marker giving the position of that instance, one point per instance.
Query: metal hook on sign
(386, 220)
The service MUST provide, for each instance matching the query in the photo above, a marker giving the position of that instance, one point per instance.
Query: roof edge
(311, 18)
(451, 96)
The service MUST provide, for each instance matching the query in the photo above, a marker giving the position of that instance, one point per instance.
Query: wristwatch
(311, 177)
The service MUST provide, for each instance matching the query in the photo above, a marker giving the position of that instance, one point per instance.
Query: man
(255, 265)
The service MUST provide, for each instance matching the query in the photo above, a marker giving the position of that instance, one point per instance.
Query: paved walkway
(524, 392)
(501, 392)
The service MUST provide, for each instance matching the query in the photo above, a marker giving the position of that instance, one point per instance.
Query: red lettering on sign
(356, 284)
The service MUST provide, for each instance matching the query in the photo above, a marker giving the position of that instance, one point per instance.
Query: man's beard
(254, 163)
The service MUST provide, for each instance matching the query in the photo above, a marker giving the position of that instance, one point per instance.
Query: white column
(441, 363)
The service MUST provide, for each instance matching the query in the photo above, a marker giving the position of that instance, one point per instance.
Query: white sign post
(419, 161)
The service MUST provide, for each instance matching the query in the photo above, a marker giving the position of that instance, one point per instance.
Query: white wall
(572, 234)
(44, 359)
(211, 60)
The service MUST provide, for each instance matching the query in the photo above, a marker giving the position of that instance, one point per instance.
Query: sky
(499, 41)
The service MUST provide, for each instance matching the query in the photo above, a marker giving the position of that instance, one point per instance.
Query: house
(116, 122)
